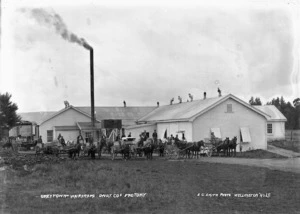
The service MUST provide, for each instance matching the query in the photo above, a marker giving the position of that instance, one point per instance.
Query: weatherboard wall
(278, 131)
(175, 127)
(230, 124)
(66, 118)
(137, 130)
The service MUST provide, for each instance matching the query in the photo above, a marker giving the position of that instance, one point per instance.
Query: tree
(296, 102)
(8, 113)
(291, 112)
(255, 102)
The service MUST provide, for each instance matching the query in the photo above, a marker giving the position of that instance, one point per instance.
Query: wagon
(210, 146)
(126, 147)
(207, 149)
(172, 151)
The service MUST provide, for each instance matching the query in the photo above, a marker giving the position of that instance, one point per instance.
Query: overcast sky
(146, 53)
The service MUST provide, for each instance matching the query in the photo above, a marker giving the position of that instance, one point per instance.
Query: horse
(223, 146)
(183, 145)
(121, 148)
(138, 148)
(76, 150)
(149, 148)
(8, 145)
(232, 146)
(161, 148)
(92, 151)
(195, 148)
(100, 145)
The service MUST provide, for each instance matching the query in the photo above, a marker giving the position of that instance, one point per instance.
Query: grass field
(170, 187)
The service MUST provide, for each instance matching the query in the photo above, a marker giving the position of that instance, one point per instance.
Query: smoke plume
(53, 20)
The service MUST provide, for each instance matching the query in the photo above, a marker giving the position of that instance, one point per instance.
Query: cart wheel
(209, 153)
(112, 155)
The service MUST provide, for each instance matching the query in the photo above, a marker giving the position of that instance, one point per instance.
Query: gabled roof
(128, 115)
(188, 111)
(274, 113)
(36, 117)
(63, 110)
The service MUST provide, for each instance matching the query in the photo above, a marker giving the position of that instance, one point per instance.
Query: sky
(148, 52)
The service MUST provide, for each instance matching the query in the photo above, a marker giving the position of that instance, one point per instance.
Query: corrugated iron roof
(180, 111)
(118, 113)
(36, 117)
(128, 115)
(189, 110)
(274, 113)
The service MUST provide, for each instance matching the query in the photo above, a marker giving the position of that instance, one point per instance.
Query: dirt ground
(170, 187)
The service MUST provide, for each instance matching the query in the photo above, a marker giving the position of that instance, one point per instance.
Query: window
(269, 128)
(49, 135)
(87, 136)
(229, 108)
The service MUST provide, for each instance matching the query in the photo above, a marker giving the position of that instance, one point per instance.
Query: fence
(293, 135)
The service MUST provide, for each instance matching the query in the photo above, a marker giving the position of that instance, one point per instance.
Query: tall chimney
(92, 86)
(204, 95)
(88, 47)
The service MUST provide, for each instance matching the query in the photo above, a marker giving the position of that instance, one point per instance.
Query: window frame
(229, 108)
(268, 128)
(49, 136)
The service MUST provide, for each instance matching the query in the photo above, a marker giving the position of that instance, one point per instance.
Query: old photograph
(150, 106)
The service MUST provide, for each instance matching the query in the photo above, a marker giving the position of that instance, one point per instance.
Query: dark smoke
(53, 20)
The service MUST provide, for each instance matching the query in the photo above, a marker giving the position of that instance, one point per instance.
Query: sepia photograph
(150, 106)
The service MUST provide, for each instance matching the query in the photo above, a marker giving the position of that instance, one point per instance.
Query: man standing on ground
(154, 136)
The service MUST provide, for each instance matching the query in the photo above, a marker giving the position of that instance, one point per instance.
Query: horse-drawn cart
(126, 147)
(172, 151)
(206, 150)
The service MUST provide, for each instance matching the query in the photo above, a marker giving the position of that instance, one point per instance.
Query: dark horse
(223, 146)
(161, 148)
(101, 145)
(195, 149)
(149, 148)
(232, 146)
(184, 147)
(92, 151)
(7, 145)
(75, 151)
